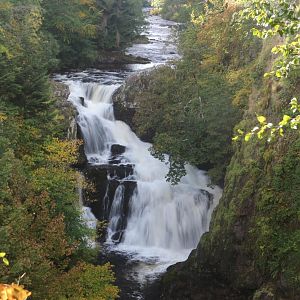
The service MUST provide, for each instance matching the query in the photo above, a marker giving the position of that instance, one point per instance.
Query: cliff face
(253, 248)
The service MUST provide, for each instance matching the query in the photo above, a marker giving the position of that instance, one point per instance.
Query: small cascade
(116, 213)
(167, 217)
(93, 103)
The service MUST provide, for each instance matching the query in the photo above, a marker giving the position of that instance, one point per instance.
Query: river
(151, 224)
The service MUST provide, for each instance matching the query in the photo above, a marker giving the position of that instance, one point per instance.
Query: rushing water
(164, 222)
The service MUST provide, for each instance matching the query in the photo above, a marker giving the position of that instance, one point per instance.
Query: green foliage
(270, 130)
(25, 62)
(38, 36)
(277, 18)
(121, 22)
(41, 227)
(86, 282)
(73, 26)
(40, 222)
(188, 109)
(280, 17)
(276, 232)
(4, 259)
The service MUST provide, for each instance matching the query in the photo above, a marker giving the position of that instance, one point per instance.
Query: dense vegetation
(252, 250)
(201, 98)
(41, 230)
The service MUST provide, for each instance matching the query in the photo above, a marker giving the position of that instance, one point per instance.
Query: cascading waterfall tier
(155, 217)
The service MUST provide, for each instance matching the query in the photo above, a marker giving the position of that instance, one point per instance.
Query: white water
(165, 222)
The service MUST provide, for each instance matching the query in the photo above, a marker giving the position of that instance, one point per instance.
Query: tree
(121, 22)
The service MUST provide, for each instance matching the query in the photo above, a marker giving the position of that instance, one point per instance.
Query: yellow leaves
(86, 281)
(6, 5)
(248, 136)
(269, 129)
(4, 259)
(13, 292)
(3, 117)
(261, 119)
(285, 120)
(89, 30)
(197, 20)
(82, 14)
(62, 152)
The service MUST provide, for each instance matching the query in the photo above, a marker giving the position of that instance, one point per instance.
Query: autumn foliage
(41, 229)
(13, 292)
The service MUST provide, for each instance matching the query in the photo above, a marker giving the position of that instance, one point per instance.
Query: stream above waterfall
(151, 223)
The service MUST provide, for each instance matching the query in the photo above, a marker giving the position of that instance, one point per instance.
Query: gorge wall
(252, 248)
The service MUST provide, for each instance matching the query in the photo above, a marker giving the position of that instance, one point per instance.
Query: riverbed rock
(123, 100)
(118, 58)
(117, 149)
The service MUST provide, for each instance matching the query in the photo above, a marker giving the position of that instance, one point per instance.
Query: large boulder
(126, 99)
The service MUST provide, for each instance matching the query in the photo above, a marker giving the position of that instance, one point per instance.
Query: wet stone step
(117, 149)
(105, 179)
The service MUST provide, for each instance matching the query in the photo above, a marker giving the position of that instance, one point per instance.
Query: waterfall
(160, 217)
(151, 223)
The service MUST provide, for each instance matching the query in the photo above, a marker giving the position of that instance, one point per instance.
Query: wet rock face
(117, 149)
(106, 179)
(198, 279)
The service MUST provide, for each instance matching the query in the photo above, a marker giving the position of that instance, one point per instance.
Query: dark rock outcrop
(112, 58)
(117, 149)
(105, 179)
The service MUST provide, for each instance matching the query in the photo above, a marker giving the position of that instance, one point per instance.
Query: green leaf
(6, 262)
(278, 74)
(261, 119)
(248, 137)
(285, 120)
(2, 254)
(281, 132)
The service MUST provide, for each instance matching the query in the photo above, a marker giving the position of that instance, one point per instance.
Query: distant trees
(72, 25)
(121, 22)
(72, 33)
(25, 57)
